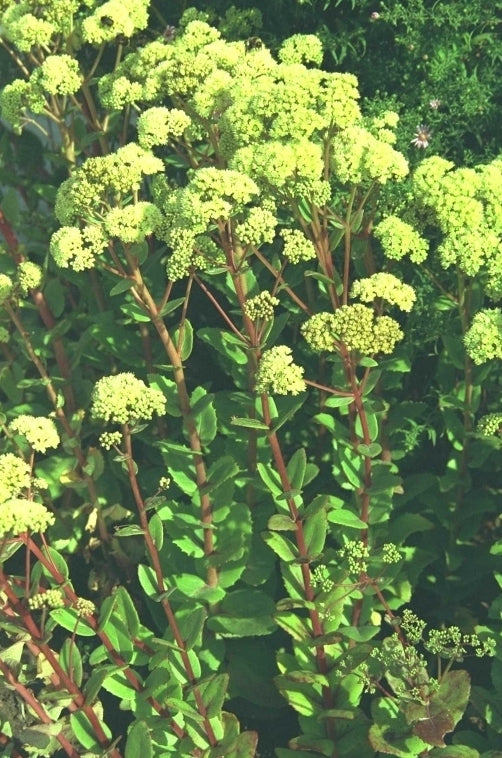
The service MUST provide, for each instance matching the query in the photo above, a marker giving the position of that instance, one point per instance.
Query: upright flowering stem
(144, 298)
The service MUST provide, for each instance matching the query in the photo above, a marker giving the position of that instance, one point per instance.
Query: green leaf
(135, 312)
(128, 611)
(191, 626)
(139, 742)
(204, 415)
(71, 660)
(183, 340)
(84, 731)
(459, 751)
(93, 685)
(280, 522)
(296, 469)
(295, 626)
(346, 518)
(338, 401)
(57, 560)
(134, 530)
(123, 285)
(156, 529)
(284, 548)
(314, 531)
(148, 581)
(213, 694)
(70, 620)
(249, 423)
(244, 613)
(371, 450)
(140, 251)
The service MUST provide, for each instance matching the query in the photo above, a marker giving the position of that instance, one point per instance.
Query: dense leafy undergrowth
(250, 461)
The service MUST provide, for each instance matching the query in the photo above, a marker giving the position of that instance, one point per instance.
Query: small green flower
(19, 515)
(29, 276)
(124, 399)
(15, 476)
(483, 341)
(107, 440)
(399, 239)
(261, 306)
(39, 431)
(278, 374)
(490, 425)
(297, 247)
(387, 287)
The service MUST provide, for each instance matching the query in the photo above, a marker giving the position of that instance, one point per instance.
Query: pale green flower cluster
(6, 288)
(490, 425)
(357, 556)
(52, 598)
(483, 340)
(384, 126)
(301, 48)
(258, 227)
(387, 287)
(164, 482)
(133, 222)
(261, 306)
(29, 276)
(24, 29)
(358, 156)
(291, 169)
(391, 553)
(413, 626)
(466, 205)
(356, 326)
(58, 75)
(338, 100)
(277, 374)
(124, 399)
(15, 476)
(76, 248)
(19, 515)
(18, 97)
(399, 239)
(452, 643)
(113, 18)
(297, 248)
(39, 431)
(107, 440)
(156, 126)
(84, 607)
(99, 182)
(320, 332)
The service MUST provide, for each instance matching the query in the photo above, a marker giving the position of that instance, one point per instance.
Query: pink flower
(422, 136)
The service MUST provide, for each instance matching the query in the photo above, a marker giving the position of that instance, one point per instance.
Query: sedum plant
(207, 296)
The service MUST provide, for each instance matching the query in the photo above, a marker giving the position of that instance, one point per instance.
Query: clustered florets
(113, 18)
(357, 556)
(6, 288)
(261, 306)
(107, 440)
(76, 248)
(483, 341)
(387, 287)
(52, 598)
(258, 227)
(29, 276)
(356, 326)
(278, 374)
(124, 399)
(490, 425)
(297, 248)
(19, 515)
(133, 222)
(399, 239)
(156, 126)
(15, 476)
(40, 432)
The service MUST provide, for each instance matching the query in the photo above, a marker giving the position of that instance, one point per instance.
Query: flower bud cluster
(84, 607)
(301, 48)
(490, 425)
(277, 374)
(261, 307)
(360, 157)
(76, 248)
(297, 248)
(399, 239)
(257, 227)
(124, 399)
(450, 643)
(357, 556)
(52, 598)
(6, 288)
(15, 476)
(107, 440)
(39, 431)
(387, 287)
(133, 222)
(356, 326)
(19, 515)
(483, 340)
(391, 553)
(156, 126)
(113, 18)
(412, 626)
(321, 579)
(29, 276)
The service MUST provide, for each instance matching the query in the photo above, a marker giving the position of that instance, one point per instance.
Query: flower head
(20, 515)
(422, 136)
(39, 431)
(483, 341)
(124, 399)
(278, 374)
(435, 103)
(15, 475)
